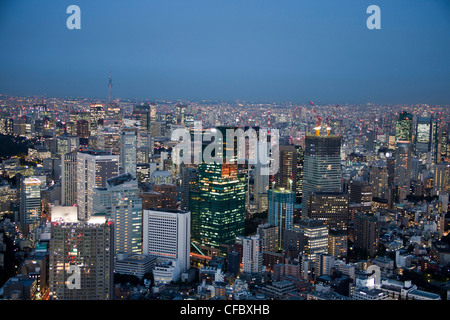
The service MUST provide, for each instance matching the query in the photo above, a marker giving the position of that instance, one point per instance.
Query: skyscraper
(93, 168)
(423, 137)
(286, 176)
(119, 200)
(30, 203)
(218, 210)
(442, 178)
(402, 176)
(404, 127)
(128, 152)
(367, 234)
(281, 211)
(69, 179)
(81, 260)
(322, 167)
(315, 239)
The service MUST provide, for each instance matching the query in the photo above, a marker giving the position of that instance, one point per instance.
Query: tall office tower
(153, 112)
(69, 179)
(81, 260)
(119, 200)
(93, 168)
(269, 237)
(66, 144)
(128, 152)
(404, 127)
(442, 178)
(436, 139)
(218, 210)
(331, 208)
(189, 182)
(109, 139)
(166, 234)
(281, 211)
(378, 180)
(424, 135)
(252, 258)
(322, 170)
(287, 170)
(142, 113)
(30, 204)
(315, 239)
(361, 192)
(83, 129)
(299, 176)
(367, 234)
(97, 115)
(337, 243)
(402, 178)
(181, 113)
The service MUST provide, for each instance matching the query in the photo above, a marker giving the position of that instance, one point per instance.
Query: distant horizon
(148, 99)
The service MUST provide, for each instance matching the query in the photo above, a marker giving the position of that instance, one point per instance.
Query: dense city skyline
(225, 152)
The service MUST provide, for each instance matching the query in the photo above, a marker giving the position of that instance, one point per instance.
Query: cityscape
(108, 197)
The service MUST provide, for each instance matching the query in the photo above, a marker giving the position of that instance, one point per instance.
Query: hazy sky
(262, 50)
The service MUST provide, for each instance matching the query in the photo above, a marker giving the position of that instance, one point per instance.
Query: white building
(252, 254)
(120, 202)
(166, 234)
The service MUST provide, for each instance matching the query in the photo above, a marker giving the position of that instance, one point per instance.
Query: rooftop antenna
(109, 85)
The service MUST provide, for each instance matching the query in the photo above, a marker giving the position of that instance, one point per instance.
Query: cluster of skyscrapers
(108, 195)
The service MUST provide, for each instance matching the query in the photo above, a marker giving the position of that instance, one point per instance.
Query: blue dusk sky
(251, 50)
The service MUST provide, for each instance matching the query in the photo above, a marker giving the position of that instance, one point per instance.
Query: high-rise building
(404, 127)
(366, 234)
(378, 180)
(315, 239)
(361, 192)
(119, 200)
(252, 259)
(30, 203)
(81, 260)
(331, 208)
(97, 115)
(93, 168)
(269, 237)
(299, 177)
(337, 243)
(402, 178)
(218, 209)
(69, 179)
(322, 167)
(442, 178)
(424, 134)
(281, 211)
(286, 176)
(189, 182)
(166, 234)
(128, 152)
